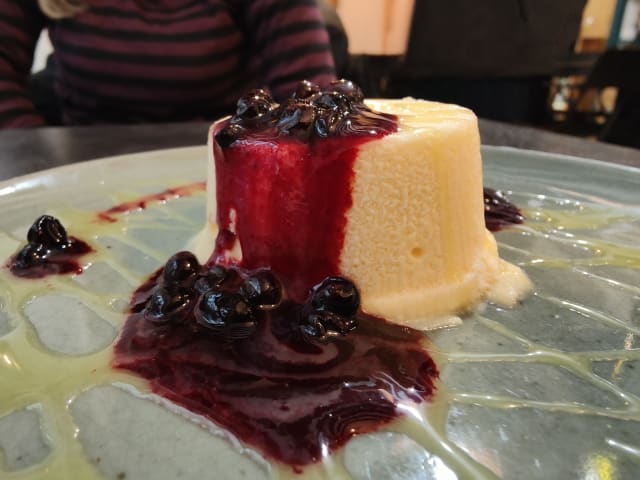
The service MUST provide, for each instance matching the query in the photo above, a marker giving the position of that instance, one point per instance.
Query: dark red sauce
(54, 262)
(109, 215)
(283, 179)
(278, 391)
(302, 239)
(499, 213)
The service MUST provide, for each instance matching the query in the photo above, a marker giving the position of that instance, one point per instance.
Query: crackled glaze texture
(550, 389)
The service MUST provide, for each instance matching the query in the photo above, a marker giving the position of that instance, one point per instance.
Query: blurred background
(570, 66)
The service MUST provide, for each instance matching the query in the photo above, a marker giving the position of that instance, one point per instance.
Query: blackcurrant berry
(30, 255)
(49, 232)
(229, 134)
(212, 279)
(348, 89)
(296, 117)
(262, 290)
(164, 306)
(337, 295)
(181, 270)
(306, 89)
(254, 105)
(324, 326)
(227, 314)
(331, 101)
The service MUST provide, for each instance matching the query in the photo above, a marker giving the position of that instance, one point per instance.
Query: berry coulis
(296, 381)
(109, 215)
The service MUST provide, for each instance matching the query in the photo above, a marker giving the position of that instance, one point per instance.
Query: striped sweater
(160, 60)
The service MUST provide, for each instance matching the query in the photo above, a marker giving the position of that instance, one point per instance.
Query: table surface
(31, 150)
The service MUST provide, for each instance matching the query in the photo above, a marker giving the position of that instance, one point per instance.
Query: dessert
(324, 185)
(321, 205)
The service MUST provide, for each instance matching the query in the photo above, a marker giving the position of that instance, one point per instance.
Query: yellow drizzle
(32, 375)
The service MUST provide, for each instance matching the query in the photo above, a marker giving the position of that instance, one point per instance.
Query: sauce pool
(293, 399)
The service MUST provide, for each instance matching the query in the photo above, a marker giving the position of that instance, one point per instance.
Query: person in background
(122, 61)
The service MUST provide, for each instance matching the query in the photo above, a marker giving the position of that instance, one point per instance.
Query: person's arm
(20, 25)
(291, 43)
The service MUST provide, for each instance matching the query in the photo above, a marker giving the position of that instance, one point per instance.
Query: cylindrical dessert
(393, 202)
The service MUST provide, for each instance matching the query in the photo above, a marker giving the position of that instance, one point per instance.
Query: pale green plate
(549, 390)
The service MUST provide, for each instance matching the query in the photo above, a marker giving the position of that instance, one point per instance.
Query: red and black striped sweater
(164, 60)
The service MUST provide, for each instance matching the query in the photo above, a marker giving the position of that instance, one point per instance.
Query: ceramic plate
(550, 389)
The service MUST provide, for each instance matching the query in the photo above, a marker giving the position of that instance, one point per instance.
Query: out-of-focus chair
(494, 56)
(620, 69)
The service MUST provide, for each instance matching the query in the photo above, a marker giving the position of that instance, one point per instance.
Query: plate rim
(112, 160)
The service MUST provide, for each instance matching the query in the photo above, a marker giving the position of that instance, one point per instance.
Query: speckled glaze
(548, 390)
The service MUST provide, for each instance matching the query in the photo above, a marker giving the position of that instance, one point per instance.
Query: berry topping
(226, 313)
(325, 124)
(164, 306)
(212, 279)
(310, 112)
(306, 89)
(230, 302)
(331, 101)
(324, 326)
(253, 105)
(49, 232)
(181, 269)
(296, 117)
(30, 255)
(49, 251)
(336, 295)
(348, 89)
(229, 134)
(262, 290)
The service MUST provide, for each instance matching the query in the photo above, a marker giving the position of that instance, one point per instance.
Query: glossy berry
(254, 105)
(493, 197)
(348, 89)
(306, 89)
(337, 295)
(331, 101)
(227, 314)
(325, 123)
(296, 117)
(229, 134)
(30, 255)
(310, 112)
(181, 269)
(262, 290)
(324, 326)
(49, 232)
(164, 306)
(212, 279)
